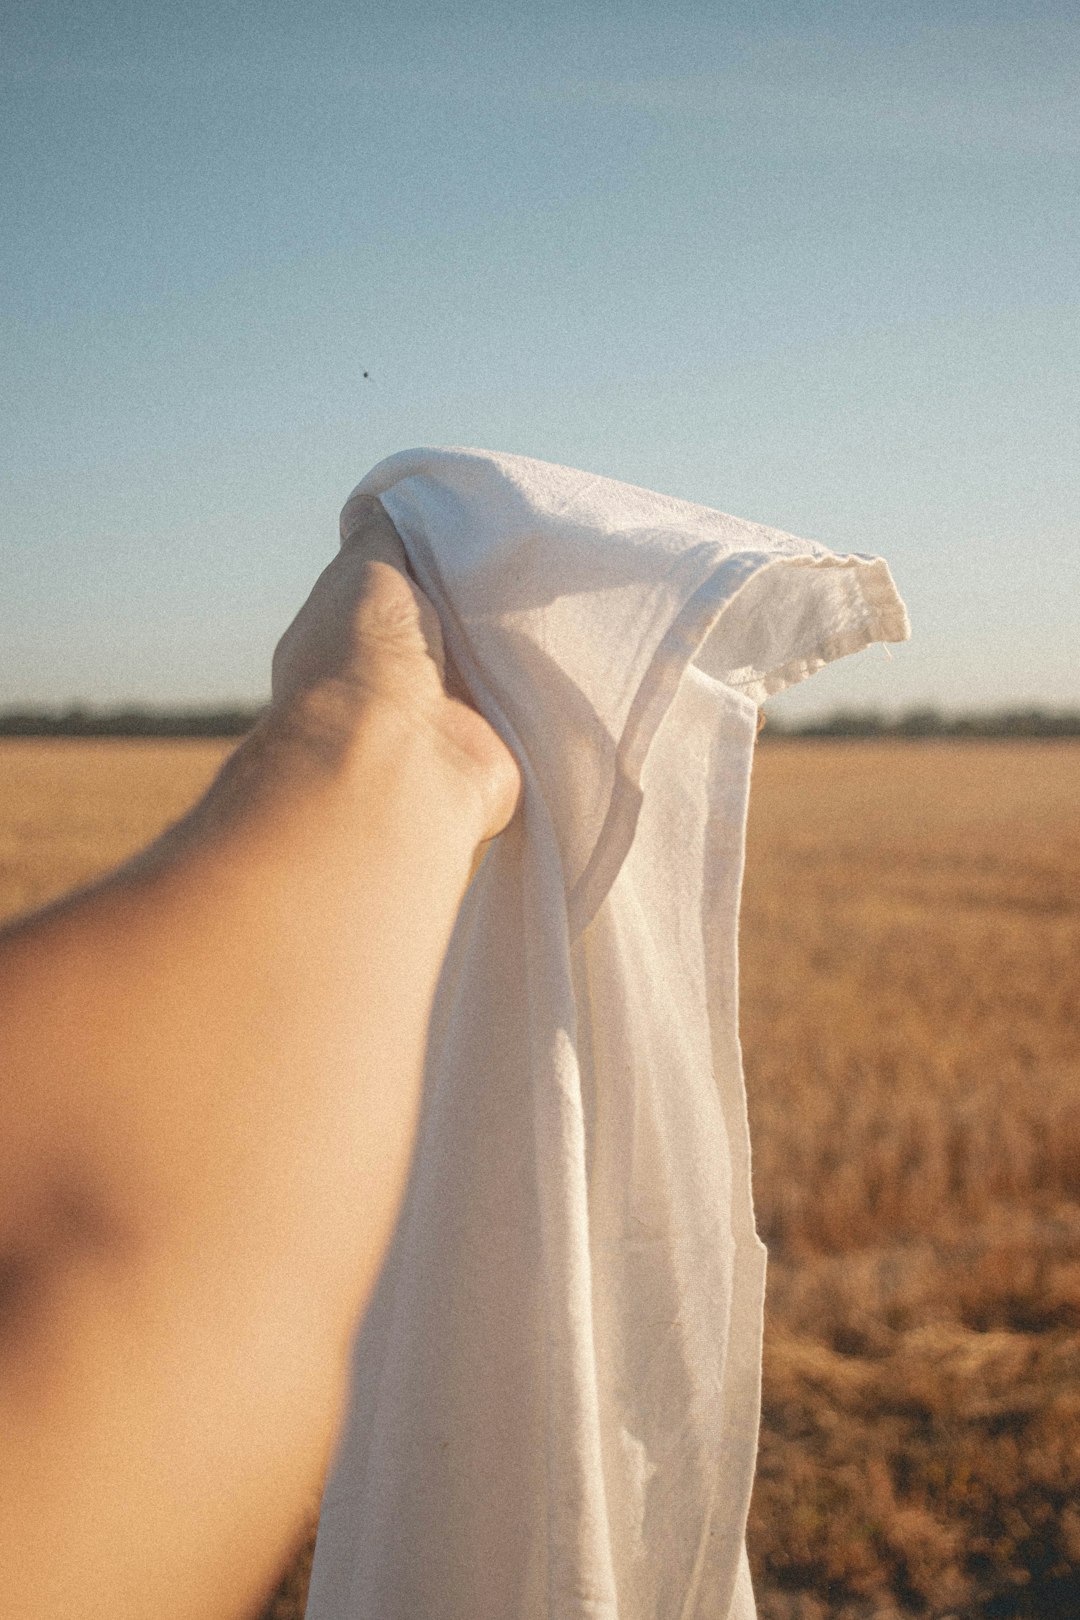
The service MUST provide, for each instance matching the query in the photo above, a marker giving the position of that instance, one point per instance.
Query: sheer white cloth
(555, 1400)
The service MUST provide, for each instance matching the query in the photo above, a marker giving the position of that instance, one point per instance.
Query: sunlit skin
(211, 1064)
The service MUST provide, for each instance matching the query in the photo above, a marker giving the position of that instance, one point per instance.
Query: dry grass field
(911, 1017)
(911, 973)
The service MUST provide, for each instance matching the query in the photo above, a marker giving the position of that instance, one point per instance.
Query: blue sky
(812, 264)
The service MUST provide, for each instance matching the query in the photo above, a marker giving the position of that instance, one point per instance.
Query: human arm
(212, 1065)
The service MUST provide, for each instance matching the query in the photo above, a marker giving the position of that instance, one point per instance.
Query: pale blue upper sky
(814, 264)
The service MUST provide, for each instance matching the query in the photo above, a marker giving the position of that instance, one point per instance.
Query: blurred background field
(911, 1022)
(911, 984)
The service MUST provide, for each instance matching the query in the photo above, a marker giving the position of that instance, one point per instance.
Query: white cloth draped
(555, 1396)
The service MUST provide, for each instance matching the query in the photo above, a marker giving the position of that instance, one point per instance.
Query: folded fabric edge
(866, 608)
(842, 605)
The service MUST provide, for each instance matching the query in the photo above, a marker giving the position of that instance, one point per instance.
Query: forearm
(219, 1055)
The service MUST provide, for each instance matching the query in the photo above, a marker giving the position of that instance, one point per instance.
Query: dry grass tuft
(911, 1019)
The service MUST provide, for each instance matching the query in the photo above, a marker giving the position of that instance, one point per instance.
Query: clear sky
(813, 264)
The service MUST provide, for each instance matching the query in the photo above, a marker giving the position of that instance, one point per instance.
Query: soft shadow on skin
(68, 1227)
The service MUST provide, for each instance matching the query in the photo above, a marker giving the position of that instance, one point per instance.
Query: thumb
(368, 534)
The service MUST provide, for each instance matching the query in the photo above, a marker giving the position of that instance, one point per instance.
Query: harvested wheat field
(911, 1018)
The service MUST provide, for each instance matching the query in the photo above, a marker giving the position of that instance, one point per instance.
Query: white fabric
(555, 1402)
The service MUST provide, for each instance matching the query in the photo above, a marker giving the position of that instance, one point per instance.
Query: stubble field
(911, 1024)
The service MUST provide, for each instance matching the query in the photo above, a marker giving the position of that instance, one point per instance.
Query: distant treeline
(234, 722)
(128, 722)
(931, 723)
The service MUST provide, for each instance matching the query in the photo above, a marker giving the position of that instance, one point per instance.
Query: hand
(368, 635)
(213, 1064)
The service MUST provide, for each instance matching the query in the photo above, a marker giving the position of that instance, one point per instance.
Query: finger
(368, 533)
(366, 528)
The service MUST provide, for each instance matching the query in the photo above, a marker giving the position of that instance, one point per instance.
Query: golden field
(911, 1021)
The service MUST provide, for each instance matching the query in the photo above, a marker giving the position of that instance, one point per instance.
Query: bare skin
(211, 1071)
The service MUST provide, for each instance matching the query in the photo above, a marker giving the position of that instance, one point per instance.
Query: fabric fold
(555, 1397)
